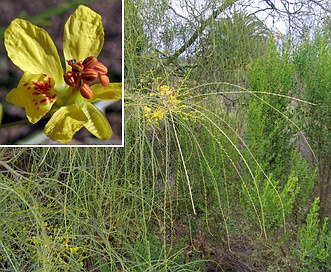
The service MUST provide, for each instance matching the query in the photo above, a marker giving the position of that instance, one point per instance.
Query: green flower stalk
(45, 89)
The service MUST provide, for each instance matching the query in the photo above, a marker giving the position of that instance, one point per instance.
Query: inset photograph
(61, 73)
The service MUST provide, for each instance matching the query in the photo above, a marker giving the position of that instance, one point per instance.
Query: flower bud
(86, 91)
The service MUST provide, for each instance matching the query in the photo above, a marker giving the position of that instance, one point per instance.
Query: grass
(82, 209)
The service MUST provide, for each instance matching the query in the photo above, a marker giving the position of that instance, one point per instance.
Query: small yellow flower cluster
(67, 246)
(160, 102)
(164, 100)
(49, 243)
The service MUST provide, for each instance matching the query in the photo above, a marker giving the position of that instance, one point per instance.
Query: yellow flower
(73, 250)
(147, 109)
(173, 100)
(46, 90)
(170, 92)
(164, 89)
(159, 115)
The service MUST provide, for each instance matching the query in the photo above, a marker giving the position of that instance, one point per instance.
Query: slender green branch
(20, 122)
(12, 124)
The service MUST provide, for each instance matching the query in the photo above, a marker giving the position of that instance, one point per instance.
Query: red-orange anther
(69, 78)
(83, 72)
(86, 91)
(90, 62)
(104, 80)
(89, 75)
(100, 68)
(77, 67)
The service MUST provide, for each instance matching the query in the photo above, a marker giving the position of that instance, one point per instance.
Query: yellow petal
(35, 93)
(97, 123)
(113, 91)
(64, 123)
(83, 34)
(147, 109)
(33, 50)
(159, 115)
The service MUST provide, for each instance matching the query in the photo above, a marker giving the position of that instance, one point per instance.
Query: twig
(200, 29)
(12, 171)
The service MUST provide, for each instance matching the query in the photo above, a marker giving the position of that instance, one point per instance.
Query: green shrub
(313, 62)
(313, 249)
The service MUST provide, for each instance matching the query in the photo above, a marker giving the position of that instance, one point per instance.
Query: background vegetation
(226, 159)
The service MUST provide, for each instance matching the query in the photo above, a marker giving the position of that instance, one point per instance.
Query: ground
(111, 56)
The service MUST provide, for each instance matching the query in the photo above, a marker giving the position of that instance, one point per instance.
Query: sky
(188, 12)
(255, 5)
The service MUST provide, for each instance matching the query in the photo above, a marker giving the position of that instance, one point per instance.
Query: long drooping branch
(226, 4)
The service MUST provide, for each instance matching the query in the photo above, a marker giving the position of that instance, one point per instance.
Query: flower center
(84, 72)
(41, 90)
